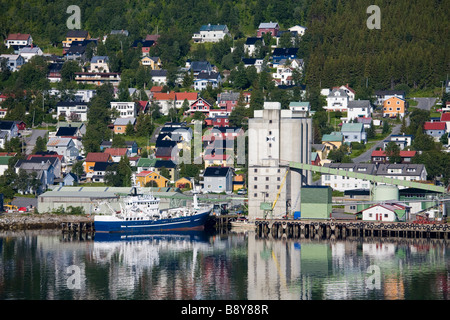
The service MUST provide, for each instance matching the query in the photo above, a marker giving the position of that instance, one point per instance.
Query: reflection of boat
(141, 213)
(174, 235)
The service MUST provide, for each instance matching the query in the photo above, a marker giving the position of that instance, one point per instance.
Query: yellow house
(145, 177)
(183, 183)
(394, 106)
(332, 141)
(92, 158)
(153, 62)
(75, 35)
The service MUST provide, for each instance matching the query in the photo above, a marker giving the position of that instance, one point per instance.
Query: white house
(211, 33)
(159, 77)
(125, 109)
(385, 212)
(300, 106)
(299, 29)
(9, 129)
(257, 63)
(29, 52)
(99, 64)
(218, 179)
(250, 45)
(13, 61)
(383, 95)
(283, 76)
(341, 183)
(205, 79)
(337, 100)
(64, 147)
(401, 140)
(359, 109)
(349, 91)
(76, 111)
(18, 40)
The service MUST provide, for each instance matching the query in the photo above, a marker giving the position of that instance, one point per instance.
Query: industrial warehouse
(101, 199)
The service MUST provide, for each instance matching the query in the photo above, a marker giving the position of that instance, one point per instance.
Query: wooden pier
(77, 227)
(344, 229)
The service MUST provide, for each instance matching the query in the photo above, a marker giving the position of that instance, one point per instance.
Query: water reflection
(233, 266)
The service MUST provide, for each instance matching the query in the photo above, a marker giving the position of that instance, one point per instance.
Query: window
(255, 178)
(255, 187)
(267, 178)
(267, 187)
(256, 170)
(255, 195)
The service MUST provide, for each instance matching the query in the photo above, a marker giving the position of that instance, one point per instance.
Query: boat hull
(195, 222)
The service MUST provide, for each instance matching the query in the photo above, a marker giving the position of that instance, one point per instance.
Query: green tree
(41, 145)
(78, 168)
(68, 70)
(393, 152)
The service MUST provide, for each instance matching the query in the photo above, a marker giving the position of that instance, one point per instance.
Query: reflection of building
(274, 271)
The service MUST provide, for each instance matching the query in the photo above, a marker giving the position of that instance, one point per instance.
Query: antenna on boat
(194, 192)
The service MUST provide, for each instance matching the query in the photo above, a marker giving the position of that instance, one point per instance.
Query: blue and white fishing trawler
(140, 213)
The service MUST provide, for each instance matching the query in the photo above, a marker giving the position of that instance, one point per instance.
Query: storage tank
(385, 193)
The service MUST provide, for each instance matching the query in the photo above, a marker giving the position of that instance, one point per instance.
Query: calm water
(237, 266)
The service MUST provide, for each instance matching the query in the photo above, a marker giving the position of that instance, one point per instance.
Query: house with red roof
(18, 41)
(142, 107)
(379, 156)
(93, 157)
(200, 105)
(180, 97)
(385, 212)
(165, 100)
(350, 92)
(117, 153)
(445, 117)
(435, 129)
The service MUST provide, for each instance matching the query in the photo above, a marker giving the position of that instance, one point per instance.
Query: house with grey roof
(268, 27)
(218, 179)
(342, 183)
(13, 61)
(205, 79)
(99, 64)
(63, 146)
(403, 171)
(337, 100)
(159, 77)
(29, 52)
(359, 109)
(44, 172)
(211, 33)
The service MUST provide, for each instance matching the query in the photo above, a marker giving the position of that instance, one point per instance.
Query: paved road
(31, 139)
(366, 156)
(425, 103)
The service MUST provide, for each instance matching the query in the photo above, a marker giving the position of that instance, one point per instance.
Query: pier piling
(345, 229)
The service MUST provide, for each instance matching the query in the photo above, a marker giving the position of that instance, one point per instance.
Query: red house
(228, 100)
(199, 105)
(218, 121)
(379, 156)
(268, 27)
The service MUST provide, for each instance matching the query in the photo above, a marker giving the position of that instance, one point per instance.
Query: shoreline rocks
(19, 221)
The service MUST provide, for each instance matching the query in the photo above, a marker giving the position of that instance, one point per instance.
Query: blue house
(354, 132)
(284, 53)
(204, 79)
